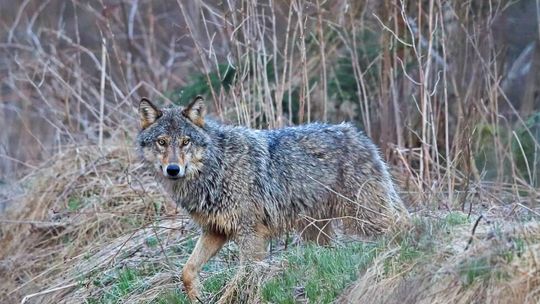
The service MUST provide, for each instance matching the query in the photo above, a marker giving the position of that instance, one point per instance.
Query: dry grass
(75, 203)
(500, 266)
(446, 88)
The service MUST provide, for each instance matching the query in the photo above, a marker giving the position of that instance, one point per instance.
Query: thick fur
(250, 185)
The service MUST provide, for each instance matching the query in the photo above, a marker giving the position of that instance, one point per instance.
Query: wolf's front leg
(207, 246)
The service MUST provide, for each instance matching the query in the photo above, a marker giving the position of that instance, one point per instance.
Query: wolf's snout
(174, 170)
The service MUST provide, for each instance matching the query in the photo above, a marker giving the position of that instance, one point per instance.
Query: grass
(212, 286)
(115, 286)
(491, 264)
(317, 273)
(475, 269)
(424, 79)
(308, 272)
(320, 272)
(74, 204)
(456, 218)
(141, 269)
(152, 241)
(172, 297)
(121, 283)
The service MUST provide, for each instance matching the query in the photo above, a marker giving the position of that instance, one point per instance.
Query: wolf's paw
(191, 288)
(194, 295)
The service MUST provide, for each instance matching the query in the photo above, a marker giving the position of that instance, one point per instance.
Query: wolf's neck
(196, 193)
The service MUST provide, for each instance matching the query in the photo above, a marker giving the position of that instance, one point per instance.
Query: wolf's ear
(195, 111)
(148, 113)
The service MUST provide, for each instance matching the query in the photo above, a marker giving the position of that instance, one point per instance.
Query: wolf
(248, 186)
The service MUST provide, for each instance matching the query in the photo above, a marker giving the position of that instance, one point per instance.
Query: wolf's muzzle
(174, 171)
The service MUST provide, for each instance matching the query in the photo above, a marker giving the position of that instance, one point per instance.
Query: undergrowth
(316, 273)
(320, 274)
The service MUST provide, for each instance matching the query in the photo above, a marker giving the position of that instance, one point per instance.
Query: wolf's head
(173, 139)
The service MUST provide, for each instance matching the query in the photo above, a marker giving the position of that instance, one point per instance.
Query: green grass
(172, 297)
(152, 241)
(420, 243)
(321, 273)
(117, 284)
(211, 286)
(456, 218)
(122, 282)
(491, 264)
(478, 268)
(74, 204)
(216, 281)
(313, 273)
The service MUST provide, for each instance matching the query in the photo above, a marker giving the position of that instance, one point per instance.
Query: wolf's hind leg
(320, 232)
(252, 249)
(207, 246)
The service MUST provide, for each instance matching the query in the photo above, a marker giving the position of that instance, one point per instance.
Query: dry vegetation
(448, 89)
(501, 266)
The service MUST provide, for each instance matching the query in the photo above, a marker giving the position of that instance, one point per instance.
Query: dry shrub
(128, 251)
(500, 266)
(246, 286)
(74, 204)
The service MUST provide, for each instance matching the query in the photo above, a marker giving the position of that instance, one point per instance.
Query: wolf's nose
(173, 170)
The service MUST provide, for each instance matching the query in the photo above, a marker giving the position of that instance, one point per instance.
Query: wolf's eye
(161, 142)
(186, 141)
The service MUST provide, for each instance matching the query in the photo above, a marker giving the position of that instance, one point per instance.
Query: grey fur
(259, 183)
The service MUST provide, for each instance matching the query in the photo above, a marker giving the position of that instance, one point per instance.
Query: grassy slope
(303, 272)
(111, 239)
(321, 274)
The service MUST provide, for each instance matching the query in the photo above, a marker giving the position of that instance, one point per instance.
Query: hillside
(93, 227)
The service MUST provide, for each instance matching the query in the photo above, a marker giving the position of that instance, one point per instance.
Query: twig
(528, 209)
(102, 90)
(27, 297)
(473, 232)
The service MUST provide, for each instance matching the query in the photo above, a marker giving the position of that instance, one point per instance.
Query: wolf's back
(314, 170)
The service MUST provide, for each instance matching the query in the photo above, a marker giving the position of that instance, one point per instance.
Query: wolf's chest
(224, 223)
(190, 197)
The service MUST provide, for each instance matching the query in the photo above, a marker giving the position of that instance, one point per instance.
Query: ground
(103, 232)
